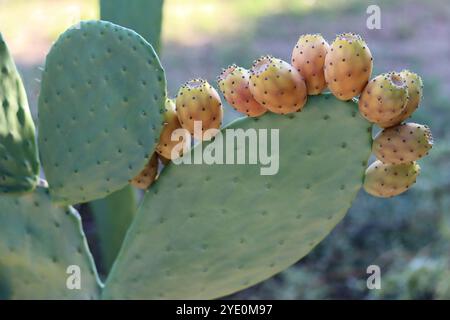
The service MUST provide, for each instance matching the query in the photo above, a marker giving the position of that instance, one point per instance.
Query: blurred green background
(407, 236)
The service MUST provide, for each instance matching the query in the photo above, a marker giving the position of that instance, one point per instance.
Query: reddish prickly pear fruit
(171, 123)
(388, 180)
(348, 66)
(148, 175)
(308, 57)
(403, 143)
(277, 85)
(234, 84)
(414, 86)
(197, 101)
(384, 98)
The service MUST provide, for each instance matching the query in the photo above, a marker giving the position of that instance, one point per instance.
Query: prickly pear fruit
(277, 85)
(198, 101)
(171, 123)
(148, 175)
(234, 84)
(308, 56)
(388, 180)
(403, 143)
(348, 66)
(414, 86)
(384, 98)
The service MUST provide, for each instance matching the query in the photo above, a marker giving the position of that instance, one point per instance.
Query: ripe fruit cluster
(344, 67)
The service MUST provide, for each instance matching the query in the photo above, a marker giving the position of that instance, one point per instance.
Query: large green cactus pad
(38, 242)
(100, 110)
(205, 231)
(19, 166)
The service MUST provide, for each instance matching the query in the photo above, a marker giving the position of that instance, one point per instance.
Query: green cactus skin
(142, 16)
(38, 241)
(384, 99)
(240, 227)
(348, 66)
(19, 165)
(403, 143)
(103, 89)
(112, 216)
(389, 180)
(277, 85)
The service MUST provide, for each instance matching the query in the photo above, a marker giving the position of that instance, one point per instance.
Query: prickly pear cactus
(38, 243)
(204, 231)
(103, 89)
(19, 165)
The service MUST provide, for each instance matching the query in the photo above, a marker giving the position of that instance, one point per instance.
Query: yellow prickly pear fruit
(197, 101)
(403, 143)
(384, 98)
(308, 57)
(414, 86)
(148, 175)
(388, 180)
(277, 85)
(348, 66)
(171, 123)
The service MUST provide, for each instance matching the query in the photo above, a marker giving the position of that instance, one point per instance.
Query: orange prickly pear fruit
(308, 57)
(171, 123)
(277, 85)
(197, 101)
(384, 98)
(348, 66)
(403, 143)
(389, 180)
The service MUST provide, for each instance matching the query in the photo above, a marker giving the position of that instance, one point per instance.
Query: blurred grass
(408, 236)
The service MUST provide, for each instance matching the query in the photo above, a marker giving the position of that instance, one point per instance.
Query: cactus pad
(103, 89)
(19, 165)
(38, 242)
(242, 227)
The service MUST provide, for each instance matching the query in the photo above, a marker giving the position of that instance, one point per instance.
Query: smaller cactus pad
(241, 227)
(19, 165)
(38, 242)
(100, 110)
